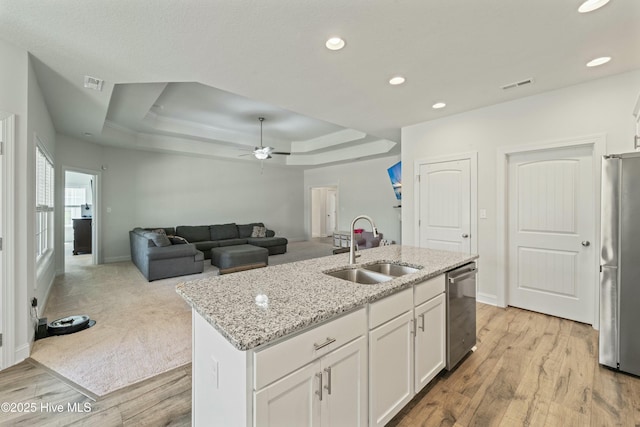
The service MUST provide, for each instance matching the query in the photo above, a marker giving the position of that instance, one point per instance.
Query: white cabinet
(430, 340)
(391, 368)
(291, 401)
(331, 391)
(406, 346)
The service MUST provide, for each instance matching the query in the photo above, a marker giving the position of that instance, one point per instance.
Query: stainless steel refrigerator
(620, 263)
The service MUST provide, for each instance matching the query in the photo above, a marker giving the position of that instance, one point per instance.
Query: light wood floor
(529, 370)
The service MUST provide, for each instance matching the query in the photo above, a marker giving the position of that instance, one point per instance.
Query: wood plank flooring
(529, 370)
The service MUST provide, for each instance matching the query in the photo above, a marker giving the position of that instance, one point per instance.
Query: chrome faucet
(352, 247)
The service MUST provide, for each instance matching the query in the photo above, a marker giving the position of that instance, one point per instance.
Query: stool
(230, 259)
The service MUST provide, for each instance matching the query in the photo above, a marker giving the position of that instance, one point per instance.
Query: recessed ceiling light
(397, 80)
(438, 105)
(598, 61)
(591, 5)
(335, 43)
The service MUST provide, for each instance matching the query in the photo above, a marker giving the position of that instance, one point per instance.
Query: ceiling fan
(262, 152)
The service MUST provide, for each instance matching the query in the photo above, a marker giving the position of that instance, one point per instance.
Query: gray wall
(601, 106)
(364, 187)
(150, 189)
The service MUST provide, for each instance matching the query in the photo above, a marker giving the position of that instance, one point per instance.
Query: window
(44, 203)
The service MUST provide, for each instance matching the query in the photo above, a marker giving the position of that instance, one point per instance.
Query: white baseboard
(112, 259)
(486, 298)
(22, 353)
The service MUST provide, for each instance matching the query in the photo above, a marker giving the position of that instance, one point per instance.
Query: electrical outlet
(214, 373)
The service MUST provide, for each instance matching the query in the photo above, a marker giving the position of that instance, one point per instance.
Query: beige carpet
(142, 329)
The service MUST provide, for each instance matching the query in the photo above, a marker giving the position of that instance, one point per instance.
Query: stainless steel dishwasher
(461, 313)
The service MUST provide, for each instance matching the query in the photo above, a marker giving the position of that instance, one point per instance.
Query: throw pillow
(259, 231)
(158, 239)
(159, 231)
(177, 240)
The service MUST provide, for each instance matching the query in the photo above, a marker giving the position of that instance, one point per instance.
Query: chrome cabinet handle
(422, 322)
(324, 344)
(586, 243)
(465, 235)
(328, 386)
(319, 391)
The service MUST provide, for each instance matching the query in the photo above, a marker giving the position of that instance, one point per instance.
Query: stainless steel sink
(390, 269)
(360, 275)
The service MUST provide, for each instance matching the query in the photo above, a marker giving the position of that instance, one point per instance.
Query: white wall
(363, 188)
(39, 123)
(601, 106)
(13, 99)
(20, 94)
(149, 189)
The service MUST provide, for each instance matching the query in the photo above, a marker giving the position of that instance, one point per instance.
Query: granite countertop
(300, 294)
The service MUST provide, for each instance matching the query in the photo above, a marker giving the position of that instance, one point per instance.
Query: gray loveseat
(185, 254)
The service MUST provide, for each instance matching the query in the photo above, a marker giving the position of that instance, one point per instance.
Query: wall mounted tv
(395, 174)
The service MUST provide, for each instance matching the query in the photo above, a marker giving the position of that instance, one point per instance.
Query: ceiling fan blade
(281, 152)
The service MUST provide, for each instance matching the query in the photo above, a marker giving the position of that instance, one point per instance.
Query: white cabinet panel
(345, 386)
(430, 341)
(292, 401)
(391, 368)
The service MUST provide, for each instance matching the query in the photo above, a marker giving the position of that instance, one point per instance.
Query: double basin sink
(373, 274)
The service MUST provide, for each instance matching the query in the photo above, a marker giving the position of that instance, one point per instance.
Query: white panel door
(331, 211)
(551, 229)
(445, 206)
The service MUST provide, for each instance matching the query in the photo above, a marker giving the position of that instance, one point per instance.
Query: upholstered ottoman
(237, 258)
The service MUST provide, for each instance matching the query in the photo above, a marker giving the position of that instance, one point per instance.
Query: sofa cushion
(158, 239)
(245, 230)
(206, 247)
(224, 231)
(232, 242)
(176, 251)
(265, 242)
(194, 233)
(259, 231)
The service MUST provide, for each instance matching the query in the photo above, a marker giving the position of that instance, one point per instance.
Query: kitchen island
(267, 342)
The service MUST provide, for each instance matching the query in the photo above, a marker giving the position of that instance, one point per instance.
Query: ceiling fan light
(261, 155)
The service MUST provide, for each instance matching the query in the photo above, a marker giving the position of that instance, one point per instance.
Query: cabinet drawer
(390, 307)
(428, 289)
(276, 361)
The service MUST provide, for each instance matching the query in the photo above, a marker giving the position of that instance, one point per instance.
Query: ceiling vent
(93, 83)
(517, 84)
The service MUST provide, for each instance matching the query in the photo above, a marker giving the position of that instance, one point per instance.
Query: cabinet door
(390, 369)
(345, 386)
(429, 341)
(291, 401)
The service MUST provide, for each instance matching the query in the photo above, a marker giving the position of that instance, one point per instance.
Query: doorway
(324, 211)
(547, 238)
(80, 219)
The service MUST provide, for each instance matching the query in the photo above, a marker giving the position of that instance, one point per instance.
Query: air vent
(93, 83)
(517, 84)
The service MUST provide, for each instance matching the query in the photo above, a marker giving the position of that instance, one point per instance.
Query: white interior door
(445, 206)
(551, 215)
(331, 211)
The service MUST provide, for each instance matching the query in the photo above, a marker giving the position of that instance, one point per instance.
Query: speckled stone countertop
(300, 294)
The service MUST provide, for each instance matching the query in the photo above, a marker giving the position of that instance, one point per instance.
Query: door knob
(586, 243)
(465, 235)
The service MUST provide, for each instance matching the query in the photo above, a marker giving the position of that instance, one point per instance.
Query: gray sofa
(159, 262)
(158, 258)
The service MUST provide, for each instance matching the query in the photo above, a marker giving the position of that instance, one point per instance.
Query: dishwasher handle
(462, 276)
